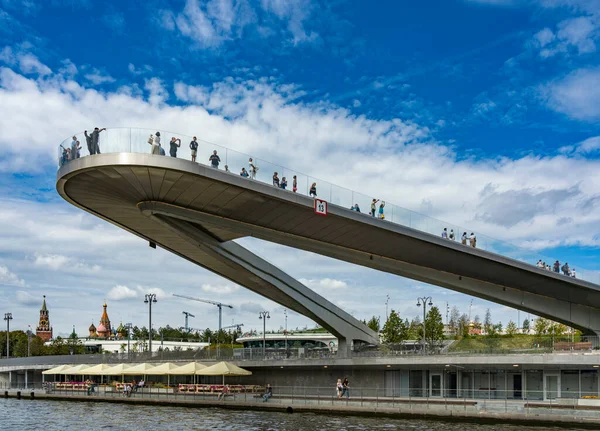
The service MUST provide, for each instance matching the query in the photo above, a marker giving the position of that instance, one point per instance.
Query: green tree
(463, 325)
(374, 324)
(394, 330)
(454, 319)
(434, 326)
(511, 328)
(541, 326)
(557, 329)
(526, 325)
(414, 328)
(488, 325)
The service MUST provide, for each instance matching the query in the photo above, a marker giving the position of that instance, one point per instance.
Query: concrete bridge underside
(196, 212)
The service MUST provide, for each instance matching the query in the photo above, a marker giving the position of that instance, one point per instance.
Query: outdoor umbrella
(189, 369)
(223, 369)
(99, 370)
(138, 370)
(117, 370)
(166, 368)
(76, 370)
(56, 370)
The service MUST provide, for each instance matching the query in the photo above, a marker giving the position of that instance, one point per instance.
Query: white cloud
(576, 95)
(220, 289)
(544, 37)
(158, 93)
(97, 77)
(197, 95)
(26, 298)
(589, 145)
(29, 63)
(213, 22)
(572, 36)
(324, 284)
(57, 262)
(8, 278)
(120, 292)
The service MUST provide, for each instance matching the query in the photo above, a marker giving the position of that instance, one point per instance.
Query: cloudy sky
(482, 113)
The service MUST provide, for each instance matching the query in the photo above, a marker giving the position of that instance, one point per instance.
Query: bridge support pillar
(249, 270)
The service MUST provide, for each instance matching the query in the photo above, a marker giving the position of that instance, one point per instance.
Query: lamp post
(149, 298)
(128, 326)
(426, 300)
(28, 340)
(8, 317)
(285, 312)
(264, 315)
(387, 300)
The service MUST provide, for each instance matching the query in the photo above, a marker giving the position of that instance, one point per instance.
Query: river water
(46, 415)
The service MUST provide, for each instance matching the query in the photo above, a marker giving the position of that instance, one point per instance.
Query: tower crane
(187, 314)
(237, 326)
(218, 304)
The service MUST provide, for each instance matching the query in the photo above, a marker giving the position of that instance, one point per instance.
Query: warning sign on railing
(320, 207)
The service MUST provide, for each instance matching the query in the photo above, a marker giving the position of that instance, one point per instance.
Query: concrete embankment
(469, 412)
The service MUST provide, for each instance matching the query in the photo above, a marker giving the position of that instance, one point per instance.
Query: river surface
(47, 415)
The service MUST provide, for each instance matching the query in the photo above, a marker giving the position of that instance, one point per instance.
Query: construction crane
(187, 314)
(218, 304)
(237, 326)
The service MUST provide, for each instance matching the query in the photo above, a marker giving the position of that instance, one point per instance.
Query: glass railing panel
(301, 181)
(113, 141)
(207, 150)
(363, 202)
(266, 171)
(398, 215)
(237, 161)
(418, 222)
(323, 188)
(139, 140)
(341, 196)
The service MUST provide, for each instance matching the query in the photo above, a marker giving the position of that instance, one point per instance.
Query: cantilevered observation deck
(196, 212)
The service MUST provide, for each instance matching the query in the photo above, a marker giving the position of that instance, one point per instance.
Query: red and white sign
(320, 207)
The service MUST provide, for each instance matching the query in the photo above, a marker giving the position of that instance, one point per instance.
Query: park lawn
(520, 342)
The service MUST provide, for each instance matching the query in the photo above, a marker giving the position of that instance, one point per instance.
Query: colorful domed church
(104, 329)
(44, 330)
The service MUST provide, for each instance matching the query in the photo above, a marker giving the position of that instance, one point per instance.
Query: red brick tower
(44, 330)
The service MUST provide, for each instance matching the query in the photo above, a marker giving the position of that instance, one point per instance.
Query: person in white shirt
(473, 240)
(445, 233)
(540, 264)
(252, 168)
(463, 239)
(573, 273)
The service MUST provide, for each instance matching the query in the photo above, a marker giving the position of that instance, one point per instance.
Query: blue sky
(484, 113)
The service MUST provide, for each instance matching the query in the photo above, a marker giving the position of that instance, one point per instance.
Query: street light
(424, 300)
(128, 326)
(264, 315)
(8, 317)
(149, 298)
(285, 312)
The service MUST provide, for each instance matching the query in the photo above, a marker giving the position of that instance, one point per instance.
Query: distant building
(44, 330)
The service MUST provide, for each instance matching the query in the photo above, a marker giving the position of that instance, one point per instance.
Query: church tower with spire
(44, 330)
